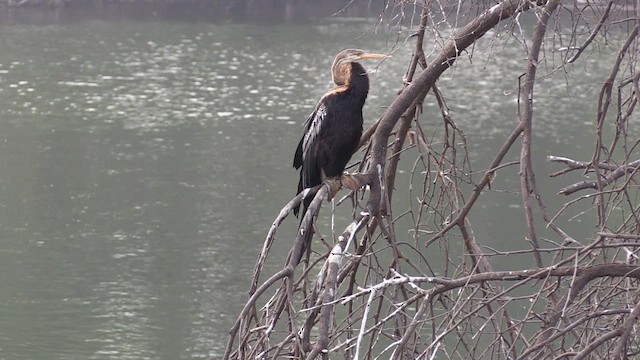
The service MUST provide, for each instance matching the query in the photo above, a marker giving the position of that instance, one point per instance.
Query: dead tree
(370, 293)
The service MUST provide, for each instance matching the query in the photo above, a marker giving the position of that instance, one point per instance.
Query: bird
(332, 132)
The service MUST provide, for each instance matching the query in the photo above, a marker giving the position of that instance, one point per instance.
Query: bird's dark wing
(305, 159)
(312, 127)
(297, 158)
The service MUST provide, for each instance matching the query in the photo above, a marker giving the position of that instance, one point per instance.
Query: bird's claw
(334, 186)
(350, 182)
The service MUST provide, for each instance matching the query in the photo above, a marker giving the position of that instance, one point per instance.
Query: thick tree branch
(464, 38)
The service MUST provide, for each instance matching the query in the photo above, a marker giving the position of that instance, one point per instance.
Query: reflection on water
(142, 162)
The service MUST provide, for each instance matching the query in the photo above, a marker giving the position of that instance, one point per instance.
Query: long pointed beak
(373, 56)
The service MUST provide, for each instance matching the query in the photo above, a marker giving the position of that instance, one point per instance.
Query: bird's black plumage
(332, 132)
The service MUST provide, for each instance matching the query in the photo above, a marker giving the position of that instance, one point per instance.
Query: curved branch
(527, 178)
(593, 34)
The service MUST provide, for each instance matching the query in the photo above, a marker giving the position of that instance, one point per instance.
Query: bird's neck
(358, 84)
(352, 82)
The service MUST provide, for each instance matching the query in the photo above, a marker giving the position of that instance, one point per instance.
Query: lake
(143, 159)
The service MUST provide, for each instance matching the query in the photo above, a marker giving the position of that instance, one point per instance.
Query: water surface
(142, 162)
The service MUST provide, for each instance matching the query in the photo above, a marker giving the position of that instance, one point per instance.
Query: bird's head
(341, 71)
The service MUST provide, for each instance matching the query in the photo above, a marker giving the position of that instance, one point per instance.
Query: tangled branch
(371, 293)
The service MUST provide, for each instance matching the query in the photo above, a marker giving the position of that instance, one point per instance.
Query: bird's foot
(334, 186)
(351, 182)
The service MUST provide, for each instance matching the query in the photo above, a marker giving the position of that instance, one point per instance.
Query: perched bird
(332, 132)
